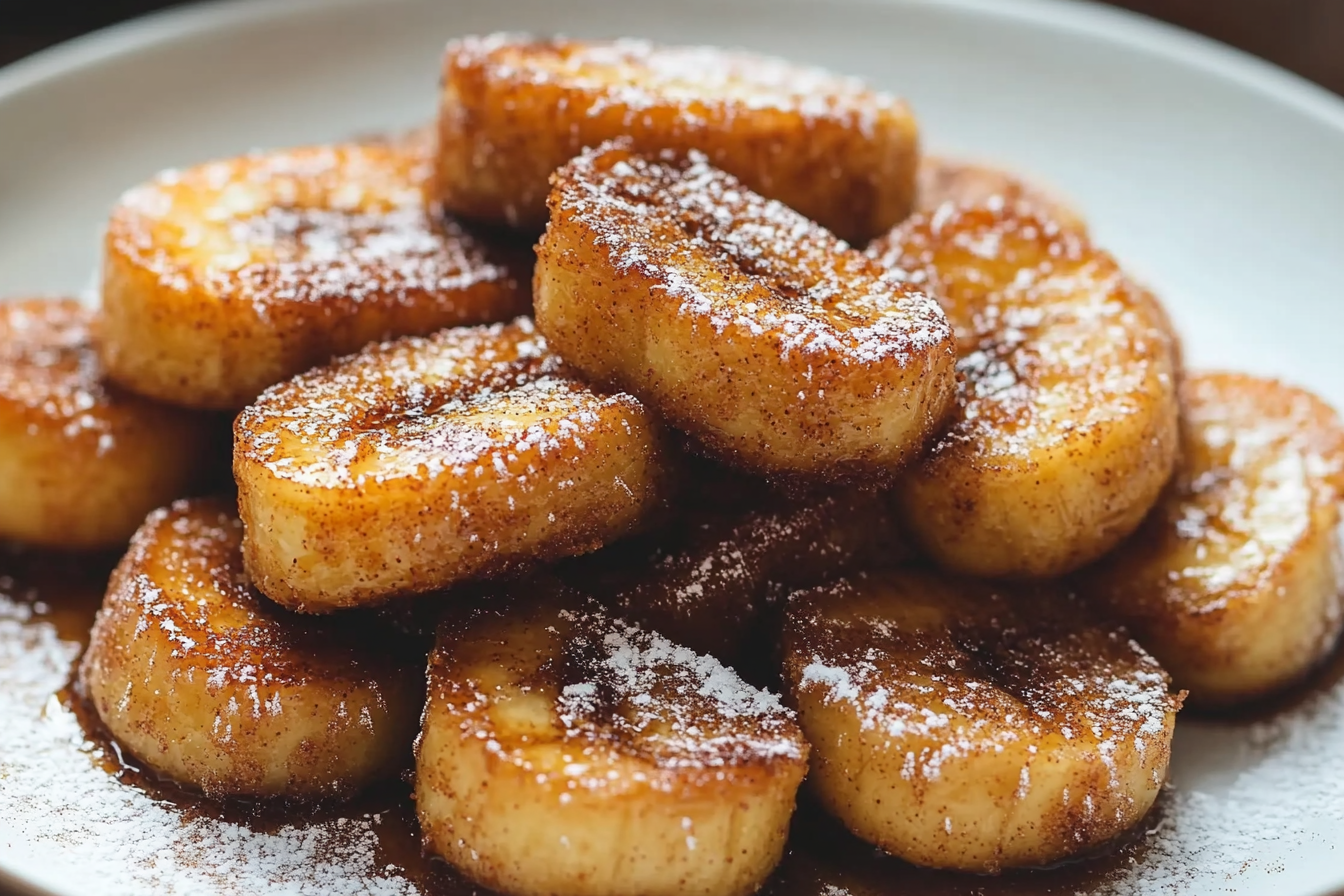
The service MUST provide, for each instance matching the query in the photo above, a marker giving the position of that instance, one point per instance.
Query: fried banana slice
(211, 685)
(776, 346)
(223, 279)
(1234, 581)
(515, 109)
(565, 751)
(82, 461)
(708, 579)
(959, 726)
(1066, 427)
(422, 462)
(942, 180)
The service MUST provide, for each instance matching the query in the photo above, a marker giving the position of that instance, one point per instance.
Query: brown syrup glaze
(68, 586)
(822, 859)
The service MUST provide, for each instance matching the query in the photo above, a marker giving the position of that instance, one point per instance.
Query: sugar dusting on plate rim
(88, 832)
(1291, 749)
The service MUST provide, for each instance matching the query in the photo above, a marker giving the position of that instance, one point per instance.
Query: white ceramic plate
(1215, 177)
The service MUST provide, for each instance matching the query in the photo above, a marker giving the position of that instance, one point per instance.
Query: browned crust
(712, 578)
(426, 461)
(777, 347)
(1234, 579)
(342, 254)
(934, 703)
(965, 183)
(207, 682)
(1066, 426)
(514, 109)
(81, 459)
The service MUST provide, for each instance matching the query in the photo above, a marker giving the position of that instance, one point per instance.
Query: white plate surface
(1216, 178)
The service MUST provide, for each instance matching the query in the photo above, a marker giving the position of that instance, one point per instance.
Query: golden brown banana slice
(82, 461)
(745, 325)
(707, 579)
(960, 726)
(942, 180)
(1066, 428)
(515, 109)
(222, 279)
(1234, 580)
(564, 751)
(425, 461)
(211, 685)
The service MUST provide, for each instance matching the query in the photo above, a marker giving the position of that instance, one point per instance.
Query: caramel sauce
(822, 858)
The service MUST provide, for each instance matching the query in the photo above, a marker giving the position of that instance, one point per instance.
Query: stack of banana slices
(789, 458)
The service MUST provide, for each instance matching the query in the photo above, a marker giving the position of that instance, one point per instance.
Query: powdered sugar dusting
(956, 673)
(466, 403)
(320, 255)
(707, 579)
(644, 668)
(1252, 806)
(635, 76)
(1054, 341)
(217, 642)
(1261, 459)
(1215, 575)
(749, 267)
(50, 369)
(544, 667)
(309, 225)
(694, 708)
(81, 829)
(943, 180)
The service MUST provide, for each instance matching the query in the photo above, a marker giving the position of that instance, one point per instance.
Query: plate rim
(1090, 18)
(1085, 18)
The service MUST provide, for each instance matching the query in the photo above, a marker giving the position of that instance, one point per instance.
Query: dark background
(1306, 36)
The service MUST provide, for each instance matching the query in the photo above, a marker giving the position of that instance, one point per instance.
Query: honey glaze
(74, 809)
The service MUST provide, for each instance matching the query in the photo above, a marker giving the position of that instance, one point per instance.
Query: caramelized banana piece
(223, 279)
(942, 180)
(564, 751)
(81, 461)
(1234, 581)
(515, 109)
(959, 726)
(708, 579)
(211, 685)
(1066, 428)
(422, 462)
(776, 346)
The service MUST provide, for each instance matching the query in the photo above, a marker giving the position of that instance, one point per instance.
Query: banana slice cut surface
(222, 279)
(1234, 581)
(81, 460)
(425, 461)
(209, 684)
(1066, 427)
(963, 183)
(515, 109)
(772, 343)
(565, 751)
(961, 726)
